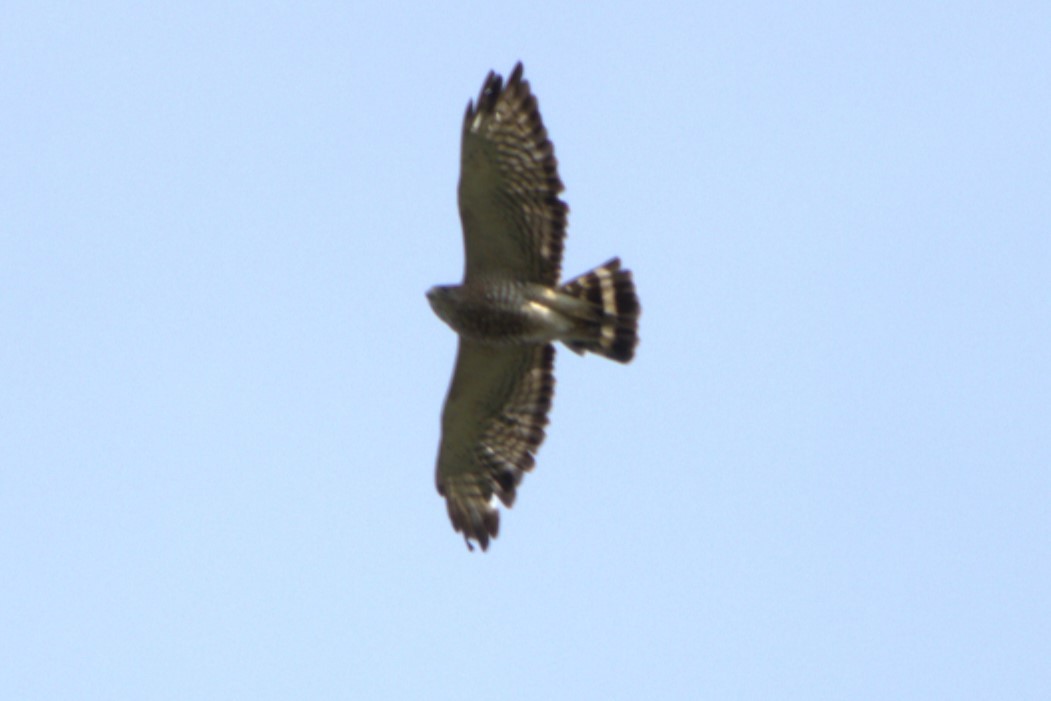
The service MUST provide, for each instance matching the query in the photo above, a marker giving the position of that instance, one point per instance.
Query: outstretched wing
(492, 425)
(513, 221)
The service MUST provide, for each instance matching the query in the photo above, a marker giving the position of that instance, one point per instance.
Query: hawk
(511, 307)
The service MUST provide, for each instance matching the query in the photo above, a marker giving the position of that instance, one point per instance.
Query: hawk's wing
(492, 425)
(513, 221)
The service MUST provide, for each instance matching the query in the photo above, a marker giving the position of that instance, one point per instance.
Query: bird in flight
(511, 307)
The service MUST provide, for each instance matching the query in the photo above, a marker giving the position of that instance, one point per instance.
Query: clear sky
(825, 476)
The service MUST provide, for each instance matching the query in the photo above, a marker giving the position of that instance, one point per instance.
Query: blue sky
(824, 476)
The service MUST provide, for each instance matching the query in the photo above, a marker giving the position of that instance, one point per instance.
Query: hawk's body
(511, 307)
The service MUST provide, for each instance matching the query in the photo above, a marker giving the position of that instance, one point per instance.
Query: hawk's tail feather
(613, 328)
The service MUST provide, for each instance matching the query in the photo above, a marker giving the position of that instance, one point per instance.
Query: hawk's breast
(501, 313)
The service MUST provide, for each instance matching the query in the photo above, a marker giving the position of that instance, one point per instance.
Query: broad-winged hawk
(511, 307)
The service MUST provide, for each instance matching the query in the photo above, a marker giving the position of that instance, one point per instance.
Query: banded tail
(612, 322)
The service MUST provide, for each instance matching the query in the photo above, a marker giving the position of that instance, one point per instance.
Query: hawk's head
(444, 299)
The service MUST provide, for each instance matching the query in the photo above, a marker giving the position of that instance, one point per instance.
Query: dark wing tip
(516, 75)
(490, 94)
(477, 521)
(494, 87)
